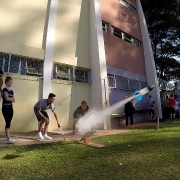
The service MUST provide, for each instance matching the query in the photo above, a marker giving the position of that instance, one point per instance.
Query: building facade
(93, 50)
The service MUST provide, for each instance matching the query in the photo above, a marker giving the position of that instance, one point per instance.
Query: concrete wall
(123, 55)
(119, 53)
(22, 28)
(72, 33)
(27, 92)
(121, 17)
(69, 97)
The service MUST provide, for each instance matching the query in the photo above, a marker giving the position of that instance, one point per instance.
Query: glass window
(121, 82)
(105, 26)
(81, 76)
(117, 32)
(142, 85)
(136, 42)
(111, 80)
(34, 68)
(133, 84)
(15, 65)
(127, 38)
(62, 72)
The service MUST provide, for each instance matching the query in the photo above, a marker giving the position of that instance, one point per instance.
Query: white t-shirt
(176, 105)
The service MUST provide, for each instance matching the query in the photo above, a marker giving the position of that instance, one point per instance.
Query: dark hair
(8, 78)
(171, 95)
(83, 103)
(1, 72)
(150, 96)
(51, 95)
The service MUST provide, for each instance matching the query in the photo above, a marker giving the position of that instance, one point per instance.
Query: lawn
(137, 155)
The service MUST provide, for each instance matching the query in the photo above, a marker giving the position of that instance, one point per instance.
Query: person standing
(42, 116)
(171, 107)
(166, 108)
(151, 108)
(176, 108)
(129, 110)
(7, 107)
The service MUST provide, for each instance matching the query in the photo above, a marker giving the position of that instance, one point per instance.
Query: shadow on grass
(11, 156)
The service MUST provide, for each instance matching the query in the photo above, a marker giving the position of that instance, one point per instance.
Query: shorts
(151, 111)
(43, 112)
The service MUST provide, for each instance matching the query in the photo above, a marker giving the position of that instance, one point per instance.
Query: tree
(163, 21)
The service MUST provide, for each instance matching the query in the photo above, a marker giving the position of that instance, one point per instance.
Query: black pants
(131, 119)
(166, 113)
(8, 115)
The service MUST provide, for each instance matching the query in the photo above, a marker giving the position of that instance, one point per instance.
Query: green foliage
(140, 154)
(163, 19)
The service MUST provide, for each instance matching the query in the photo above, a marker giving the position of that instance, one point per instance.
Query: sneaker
(47, 137)
(10, 141)
(40, 136)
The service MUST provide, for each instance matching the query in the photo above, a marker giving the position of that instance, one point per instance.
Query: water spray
(94, 117)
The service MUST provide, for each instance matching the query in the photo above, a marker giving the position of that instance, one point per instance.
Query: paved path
(26, 138)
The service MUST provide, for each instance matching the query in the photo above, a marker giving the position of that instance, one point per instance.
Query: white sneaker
(40, 136)
(10, 141)
(47, 137)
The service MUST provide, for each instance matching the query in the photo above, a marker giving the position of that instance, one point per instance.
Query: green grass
(137, 155)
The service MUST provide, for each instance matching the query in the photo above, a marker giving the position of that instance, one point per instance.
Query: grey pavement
(27, 138)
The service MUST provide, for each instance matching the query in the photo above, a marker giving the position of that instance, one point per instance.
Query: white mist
(95, 117)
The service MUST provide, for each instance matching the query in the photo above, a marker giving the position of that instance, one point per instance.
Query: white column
(49, 46)
(99, 86)
(149, 62)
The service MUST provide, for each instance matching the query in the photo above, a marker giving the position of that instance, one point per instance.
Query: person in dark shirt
(129, 110)
(7, 107)
(78, 113)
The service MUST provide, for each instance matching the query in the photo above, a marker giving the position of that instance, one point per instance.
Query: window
(14, 65)
(34, 68)
(117, 32)
(80, 75)
(111, 80)
(62, 72)
(121, 82)
(136, 42)
(133, 84)
(70, 73)
(129, 6)
(126, 37)
(105, 26)
(2, 62)
(142, 84)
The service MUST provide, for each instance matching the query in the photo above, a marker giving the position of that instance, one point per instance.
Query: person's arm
(55, 115)
(7, 98)
(76, 114)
